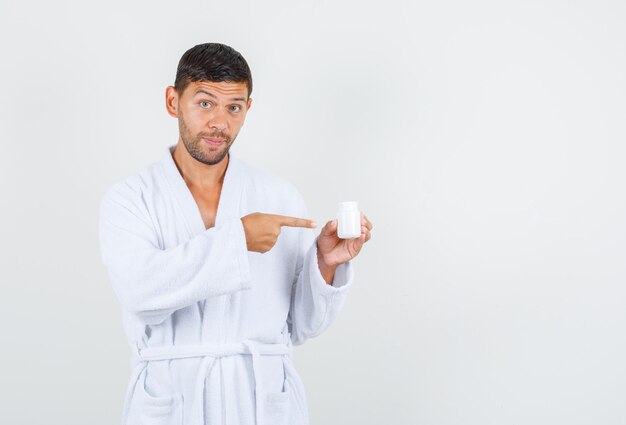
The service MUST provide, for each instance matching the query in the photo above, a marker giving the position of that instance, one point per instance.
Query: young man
(216, 268)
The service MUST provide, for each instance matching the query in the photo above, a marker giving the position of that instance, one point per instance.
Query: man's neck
(195, 173)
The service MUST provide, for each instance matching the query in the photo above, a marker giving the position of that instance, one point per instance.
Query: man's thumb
(330, 228)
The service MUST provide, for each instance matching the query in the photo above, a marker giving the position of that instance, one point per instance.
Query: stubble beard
(198, 149)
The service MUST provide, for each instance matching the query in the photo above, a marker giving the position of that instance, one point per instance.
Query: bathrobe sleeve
(314, 303)
(152, 282)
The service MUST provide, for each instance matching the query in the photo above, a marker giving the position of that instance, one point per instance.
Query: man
(216, 268)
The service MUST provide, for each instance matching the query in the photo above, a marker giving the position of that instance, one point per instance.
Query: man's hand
(262, 230)
(333, 251)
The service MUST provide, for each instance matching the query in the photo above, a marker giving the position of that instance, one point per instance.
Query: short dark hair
(212, 62)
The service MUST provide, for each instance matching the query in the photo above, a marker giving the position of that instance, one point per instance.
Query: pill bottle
(349, 220)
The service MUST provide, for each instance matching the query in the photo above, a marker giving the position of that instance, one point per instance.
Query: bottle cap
(349, 206)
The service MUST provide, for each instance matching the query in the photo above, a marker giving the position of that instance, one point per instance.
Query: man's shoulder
(265, 180)
(133, 186)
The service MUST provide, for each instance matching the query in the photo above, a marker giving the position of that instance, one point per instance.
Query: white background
(484, 139)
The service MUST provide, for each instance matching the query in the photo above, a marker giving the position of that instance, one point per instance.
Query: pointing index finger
(285, 220)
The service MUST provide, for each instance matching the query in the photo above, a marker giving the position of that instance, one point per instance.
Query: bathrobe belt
(210, 353)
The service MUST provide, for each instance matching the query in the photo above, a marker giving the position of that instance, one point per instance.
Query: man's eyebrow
(215, 97)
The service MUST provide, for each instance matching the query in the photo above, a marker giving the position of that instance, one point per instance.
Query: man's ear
(249, 103)
(171, 101)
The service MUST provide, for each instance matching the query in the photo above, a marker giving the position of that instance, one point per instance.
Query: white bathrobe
(210, 324)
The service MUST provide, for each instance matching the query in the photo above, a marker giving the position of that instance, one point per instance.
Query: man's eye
(202, 104)
(238, 108)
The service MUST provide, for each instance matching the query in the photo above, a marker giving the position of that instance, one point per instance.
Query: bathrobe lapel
(230, 196)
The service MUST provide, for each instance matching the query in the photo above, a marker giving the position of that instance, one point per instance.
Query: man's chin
(213, 156)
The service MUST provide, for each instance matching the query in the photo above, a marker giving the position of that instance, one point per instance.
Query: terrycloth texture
(181, 285)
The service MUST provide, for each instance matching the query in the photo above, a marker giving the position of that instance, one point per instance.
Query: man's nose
(218, 120)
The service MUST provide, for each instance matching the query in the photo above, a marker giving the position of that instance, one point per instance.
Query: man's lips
(213, 142)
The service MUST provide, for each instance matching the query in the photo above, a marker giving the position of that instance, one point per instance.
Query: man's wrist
(327, 272)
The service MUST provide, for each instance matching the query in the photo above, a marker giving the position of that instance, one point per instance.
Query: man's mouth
(213, 142)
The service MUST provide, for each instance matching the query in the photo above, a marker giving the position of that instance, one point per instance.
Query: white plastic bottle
(349, 220)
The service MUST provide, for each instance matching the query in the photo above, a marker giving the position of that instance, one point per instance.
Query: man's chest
(207, 201)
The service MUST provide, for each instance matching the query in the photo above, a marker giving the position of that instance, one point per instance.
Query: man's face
(210, 115)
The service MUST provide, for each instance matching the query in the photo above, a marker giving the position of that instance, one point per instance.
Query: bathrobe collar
(230, 196)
